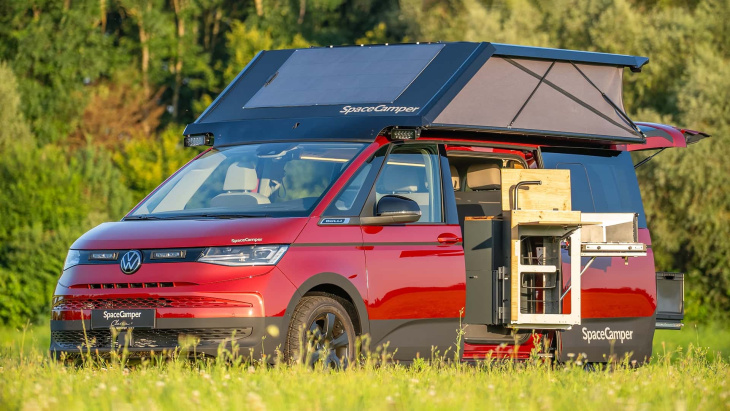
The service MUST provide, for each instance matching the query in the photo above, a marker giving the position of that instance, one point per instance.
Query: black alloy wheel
(322, 326)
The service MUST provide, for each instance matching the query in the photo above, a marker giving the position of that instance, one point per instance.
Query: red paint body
(414, 281)
(407, 273)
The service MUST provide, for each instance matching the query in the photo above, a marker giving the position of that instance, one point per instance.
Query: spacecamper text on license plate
(123, 319)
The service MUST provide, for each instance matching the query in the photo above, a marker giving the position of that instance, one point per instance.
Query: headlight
(72, 259)
(244, 255)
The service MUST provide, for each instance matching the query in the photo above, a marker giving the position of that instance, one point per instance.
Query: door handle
(448, 238)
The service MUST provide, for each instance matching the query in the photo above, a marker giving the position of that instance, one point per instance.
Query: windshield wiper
(145, 217)
(191, 216)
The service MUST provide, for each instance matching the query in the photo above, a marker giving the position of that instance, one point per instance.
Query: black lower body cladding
(251, 337)
(600, 339)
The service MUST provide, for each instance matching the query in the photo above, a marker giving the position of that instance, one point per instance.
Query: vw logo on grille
(131, 262)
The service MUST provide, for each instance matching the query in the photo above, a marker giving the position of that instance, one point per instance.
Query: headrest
(400, 179)
(455, 178)
(483, 177)
(240, 178)
(304, 178)
(304, 172)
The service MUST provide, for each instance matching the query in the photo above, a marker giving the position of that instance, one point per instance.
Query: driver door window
(413, 171)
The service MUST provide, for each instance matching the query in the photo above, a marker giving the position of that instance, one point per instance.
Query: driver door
(416, 277)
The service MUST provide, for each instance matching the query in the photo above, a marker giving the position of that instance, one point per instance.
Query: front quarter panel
(328, 255)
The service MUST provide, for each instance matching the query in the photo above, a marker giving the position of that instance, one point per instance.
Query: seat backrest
(483, 177)
(239, 178)
(486, 198)
(455, 179)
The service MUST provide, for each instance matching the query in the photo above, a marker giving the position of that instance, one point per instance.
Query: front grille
(156, 338)
(70, 304)
(131, 285)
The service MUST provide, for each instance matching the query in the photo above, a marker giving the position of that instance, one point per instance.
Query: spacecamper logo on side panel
(382, 108)
(607, 334)
(131, 261)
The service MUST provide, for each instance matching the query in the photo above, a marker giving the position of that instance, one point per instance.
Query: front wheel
(321, 329)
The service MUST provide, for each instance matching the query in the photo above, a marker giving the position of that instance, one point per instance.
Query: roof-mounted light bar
(404, 133)
(199, 140)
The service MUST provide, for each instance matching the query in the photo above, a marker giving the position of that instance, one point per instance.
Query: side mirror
(394, 209)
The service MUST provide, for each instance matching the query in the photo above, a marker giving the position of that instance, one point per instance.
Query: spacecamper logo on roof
(382, 108)
(607, 334)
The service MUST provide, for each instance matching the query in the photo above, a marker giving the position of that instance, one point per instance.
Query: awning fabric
(538, 96)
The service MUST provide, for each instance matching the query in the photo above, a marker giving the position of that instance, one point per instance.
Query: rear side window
(602, 181)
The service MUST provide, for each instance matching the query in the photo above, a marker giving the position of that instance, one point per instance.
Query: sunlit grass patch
(689, 378)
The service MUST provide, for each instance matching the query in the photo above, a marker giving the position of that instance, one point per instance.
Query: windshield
(257, 180)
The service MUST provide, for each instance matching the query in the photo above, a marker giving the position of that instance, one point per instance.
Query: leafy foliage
(50, 197)
(97, 91)
(14, 127)
(55, 51)
(144, 164)
(686, 83)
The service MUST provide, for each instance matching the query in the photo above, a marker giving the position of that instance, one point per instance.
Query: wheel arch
(336, 284)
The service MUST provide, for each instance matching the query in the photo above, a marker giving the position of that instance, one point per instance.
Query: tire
(321, 329)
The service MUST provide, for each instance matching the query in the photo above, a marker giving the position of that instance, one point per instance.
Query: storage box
(670, 300)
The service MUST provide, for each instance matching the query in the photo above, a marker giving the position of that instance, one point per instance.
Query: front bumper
(249, 337)
(215, 314)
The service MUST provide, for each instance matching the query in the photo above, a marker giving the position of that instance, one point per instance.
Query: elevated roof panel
(347, 75)
(442, 85)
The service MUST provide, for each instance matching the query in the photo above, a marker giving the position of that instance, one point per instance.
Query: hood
(190, 233)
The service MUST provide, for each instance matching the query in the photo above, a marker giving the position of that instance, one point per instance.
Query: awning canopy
(354, 93)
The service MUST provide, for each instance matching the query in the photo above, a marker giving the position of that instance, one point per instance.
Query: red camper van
(407, 192)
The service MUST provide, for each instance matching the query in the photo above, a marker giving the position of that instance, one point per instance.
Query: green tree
(686, 195)
(87, 78)
(145, 163)
(50, 197)
(56, 49)
(14, 129)
(245, 42)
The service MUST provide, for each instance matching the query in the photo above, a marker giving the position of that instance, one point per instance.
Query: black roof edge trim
(510, 50)
(413, 43)
(508, 141)
(536, 133)
(305, 140)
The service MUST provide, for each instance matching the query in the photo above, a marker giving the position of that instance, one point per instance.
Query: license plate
(122, 319)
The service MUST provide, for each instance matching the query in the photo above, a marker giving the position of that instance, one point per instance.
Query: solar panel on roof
(352, 75)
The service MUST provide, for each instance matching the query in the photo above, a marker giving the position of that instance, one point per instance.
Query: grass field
(690, 370)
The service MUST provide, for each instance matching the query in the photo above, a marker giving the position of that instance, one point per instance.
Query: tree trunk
(144, 42)
(102, 14)
(302, 10)
(180, 20)
(216, 27)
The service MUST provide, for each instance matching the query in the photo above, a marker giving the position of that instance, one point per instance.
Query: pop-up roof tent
(356, 92)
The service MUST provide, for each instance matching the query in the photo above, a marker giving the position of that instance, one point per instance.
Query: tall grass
(683, 376)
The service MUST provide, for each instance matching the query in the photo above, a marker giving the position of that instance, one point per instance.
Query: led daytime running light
(249, 255)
